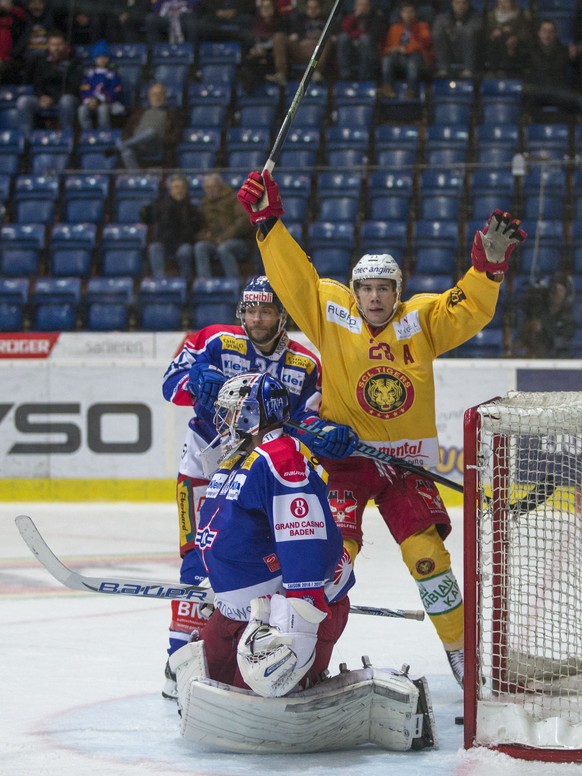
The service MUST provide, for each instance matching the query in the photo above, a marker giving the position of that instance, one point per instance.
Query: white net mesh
(529, 564)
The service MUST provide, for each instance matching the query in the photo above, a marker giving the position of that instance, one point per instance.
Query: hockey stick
(537, 495)
(302, 88)
(147, 588)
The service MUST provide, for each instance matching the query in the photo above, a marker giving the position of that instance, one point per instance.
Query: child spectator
(101, 91)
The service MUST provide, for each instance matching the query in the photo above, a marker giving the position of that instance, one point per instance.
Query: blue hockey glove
(204, 382)
(338, 441)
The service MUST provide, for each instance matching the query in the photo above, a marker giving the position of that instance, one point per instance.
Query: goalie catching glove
(259, 195)
(493, 246)
(277, 648)
(204, 383)
(333, 440)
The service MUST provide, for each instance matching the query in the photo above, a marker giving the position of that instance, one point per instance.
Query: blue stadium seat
(129, 53)
(199, 148)
(393, 183)
(9, 94)
(434, 259)
(337, 208)
(338, 184)
(356, 116)
(50, 150)
(71, 249)
(84, 198)
(545, 140)
(487, 343)
(173, 53)
(199, 94)
(21, 247)
(427, 284)
(295, 207)
(395, 158)
(214, 300)
(13, 301)
(218, 73)
(500, 111)
(257, 116)
(331, 234)
(445, 137)
(446, 157)
(430, 230)
(212, 117)
(316, 94)
(377, 236)
(92, 146)
(130, 193)
(310, 115)
(406, 137)
(108, 303)
(442, 207)
(160, 304)
(550, 205)
(434, 182)
(460, 90)
(353, 93)
(122, 249)
(35, 198)
(219, 52)
(262, 93)
(332, 262)
(174, 93)
(55, 303)
(12, 143)
(388, 208)
(451, 112)
(295, 183)
(300, 149)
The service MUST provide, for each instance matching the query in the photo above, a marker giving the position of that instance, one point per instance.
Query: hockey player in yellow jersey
(377, 354)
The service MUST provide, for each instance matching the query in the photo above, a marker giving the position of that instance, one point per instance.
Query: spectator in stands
(38, 25)
(549, 73)
(225, 234)
(101, 91)
(12, 24)
(166, 19)
(406, 51)
(358, 42)
(267, 57)
(125, 21)
(150, 131)
(304, 32)
(221, 20)
(175, 221)
(548, 324)
(506, 38)
(56, 79)
(456, 34)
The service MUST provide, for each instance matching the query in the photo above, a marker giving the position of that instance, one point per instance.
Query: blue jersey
(229, 349)
(266, 527)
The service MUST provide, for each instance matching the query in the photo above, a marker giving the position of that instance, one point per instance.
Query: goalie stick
(148, 588)
(537, 495)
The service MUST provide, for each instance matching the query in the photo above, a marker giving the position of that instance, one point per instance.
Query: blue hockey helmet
(256, 292)
(247, 404)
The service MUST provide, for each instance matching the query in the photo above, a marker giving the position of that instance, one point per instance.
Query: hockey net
(523, 575)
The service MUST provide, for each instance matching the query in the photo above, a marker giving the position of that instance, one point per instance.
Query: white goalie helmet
(377, 266)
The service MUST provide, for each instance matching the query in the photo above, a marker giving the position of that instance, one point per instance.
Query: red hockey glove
(259, 195)
(493, 246)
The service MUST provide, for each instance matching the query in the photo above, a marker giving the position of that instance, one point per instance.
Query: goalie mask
(258, 291)
(379, 266)
(248, 404)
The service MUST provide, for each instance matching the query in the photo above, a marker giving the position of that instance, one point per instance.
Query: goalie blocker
(379, 706)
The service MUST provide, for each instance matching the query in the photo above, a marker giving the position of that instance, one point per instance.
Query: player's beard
(262, 338)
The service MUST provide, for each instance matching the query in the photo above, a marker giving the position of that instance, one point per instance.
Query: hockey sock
(430, 565)
(187, 624)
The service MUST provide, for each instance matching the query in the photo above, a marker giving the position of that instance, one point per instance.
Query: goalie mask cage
(523, 576)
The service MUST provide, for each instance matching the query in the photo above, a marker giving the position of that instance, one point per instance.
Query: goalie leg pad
(352, 708)
(187, 663)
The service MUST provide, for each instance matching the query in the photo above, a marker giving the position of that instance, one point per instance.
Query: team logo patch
(205, 537)
(456, 296)
(343, 507)
(272, 562)
(384, 392)
(425, 566)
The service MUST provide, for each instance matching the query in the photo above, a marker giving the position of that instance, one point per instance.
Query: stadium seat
(84, 198)
(500, 100)
(310, 115)
(394, 183)
(487, 343)
(92, 147)
(199, 148)
(207, 117)
(262, 93)
(257, 116)
(9, 94)
(337, 208)
(130, 193)
(108, 303)
(395, 158)
(440, 207)
(300, 149)
(55, 303)
(434, 259)
(21, 247)
(171, 62)
(214, 300)
(451, 112)
(71, 249)
(338, 184)
(378, 236)
(331, 234)
(295, 207)
(161, 304)
(427, 284)
(247, 148)
(332, 262)
(12, 143)
(174, 93)
(13, 301)
(199, 94)
(353, 93)
(221, 73)
(50, 150)
(434, 182)
(388, 208)
(390, 136)
(219, 52)
(122, 249)
(35, 198)
(295, 183)
(547, 140)
(355, 116)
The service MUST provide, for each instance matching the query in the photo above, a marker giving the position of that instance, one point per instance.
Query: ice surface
(81, 674)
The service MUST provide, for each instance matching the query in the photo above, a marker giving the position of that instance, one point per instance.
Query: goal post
(523, 575)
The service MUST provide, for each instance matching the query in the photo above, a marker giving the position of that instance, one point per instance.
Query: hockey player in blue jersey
(194, 378)
(270, 548)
